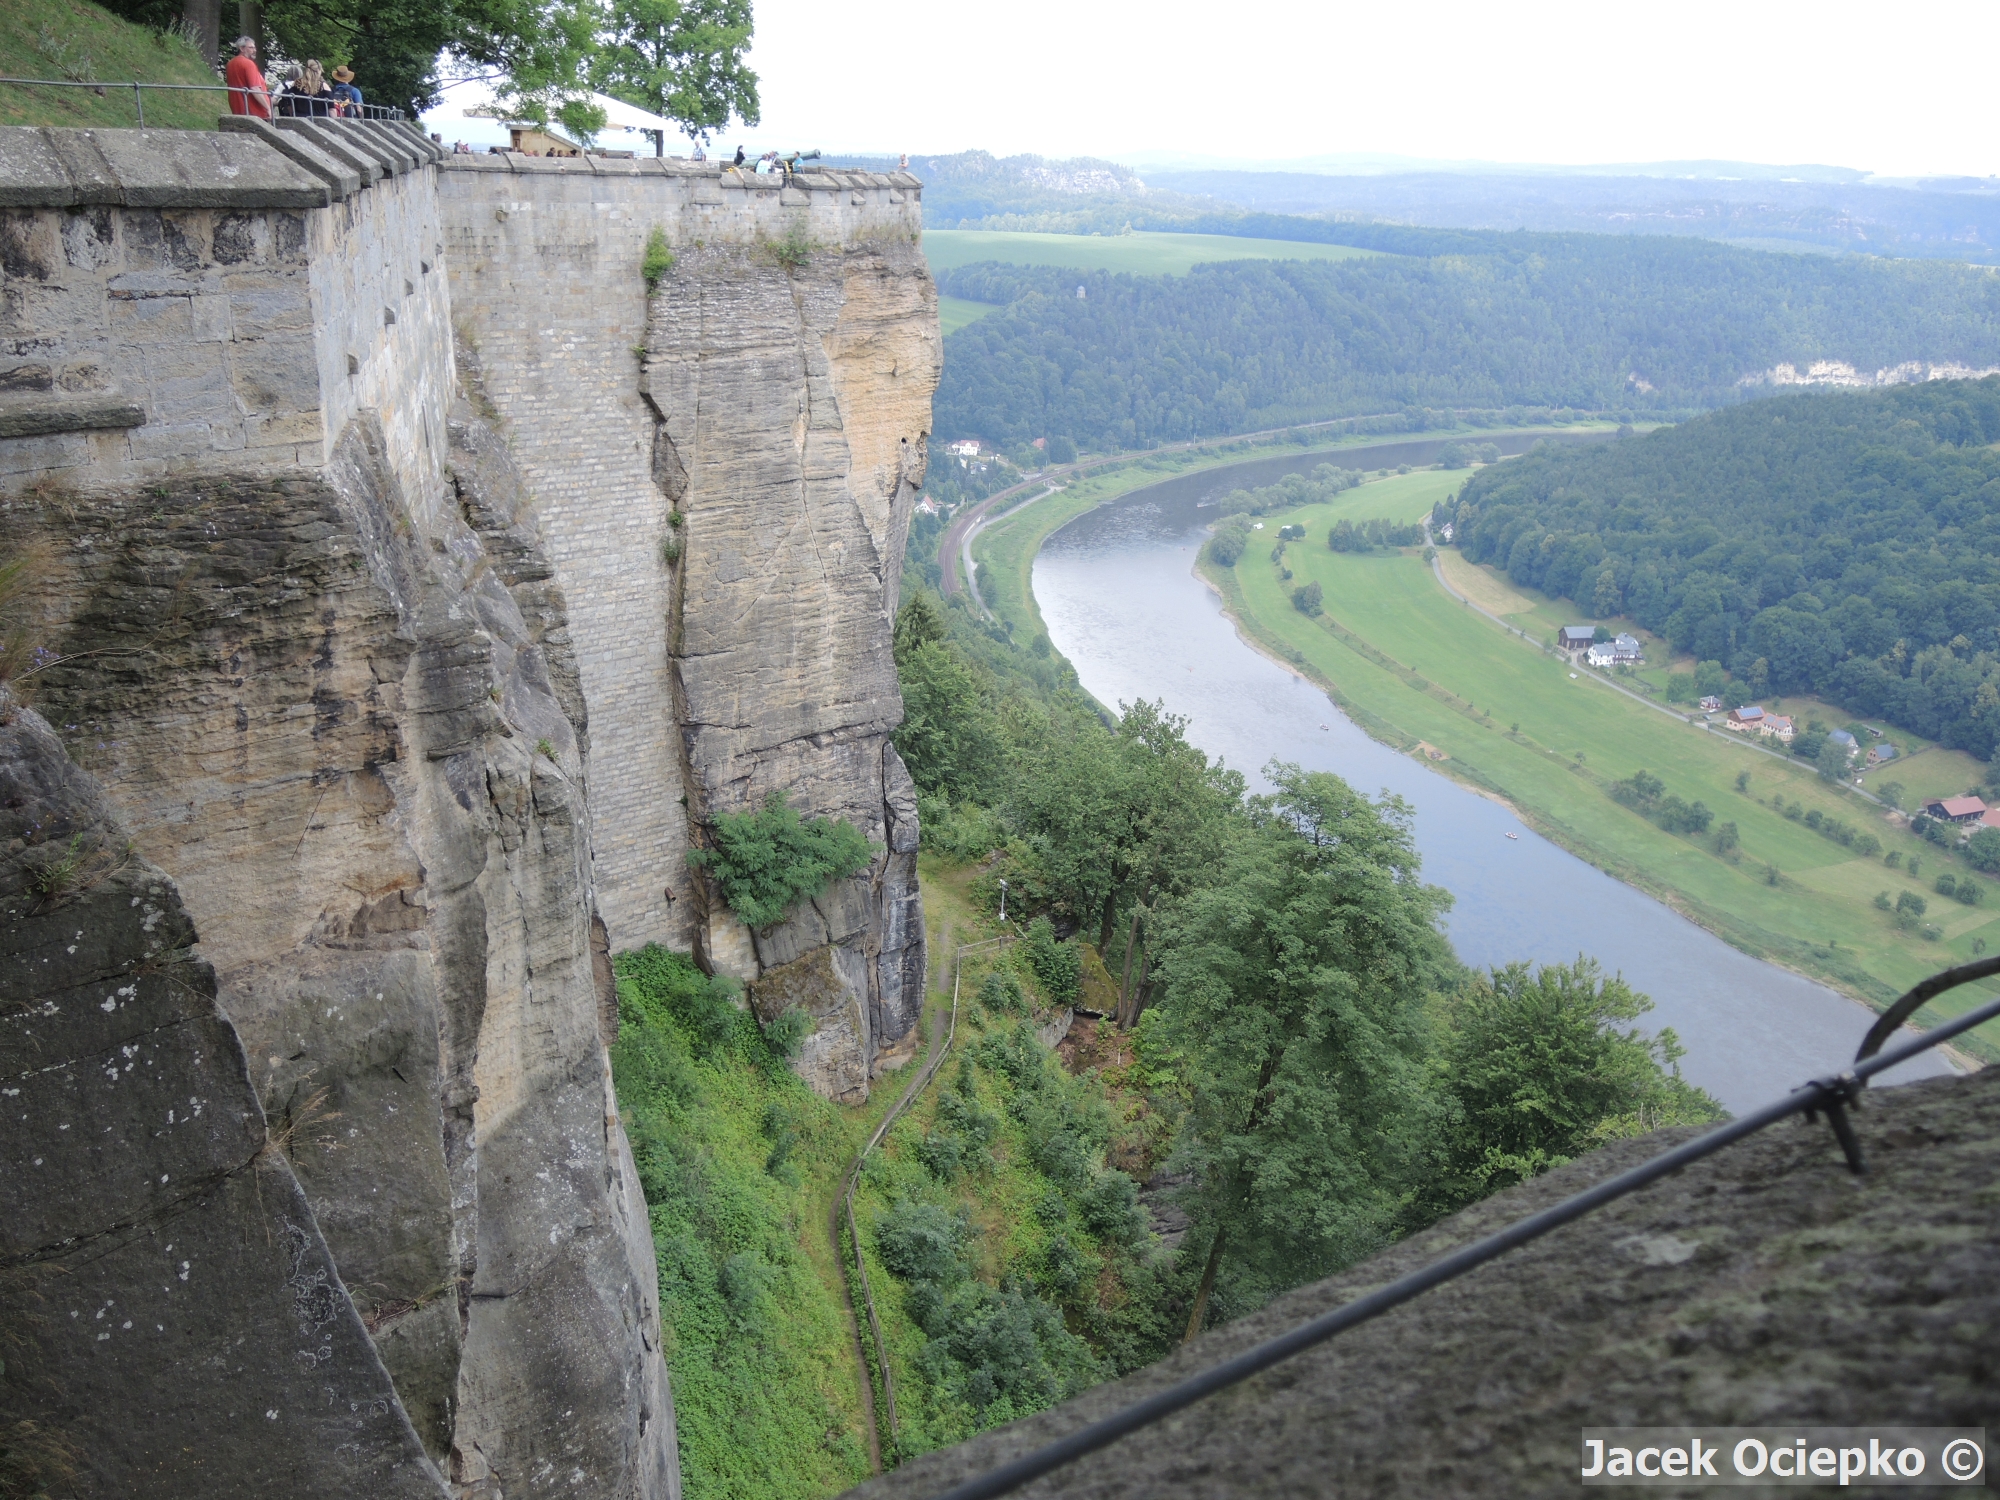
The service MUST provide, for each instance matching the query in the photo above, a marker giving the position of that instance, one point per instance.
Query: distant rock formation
(1763, 1285)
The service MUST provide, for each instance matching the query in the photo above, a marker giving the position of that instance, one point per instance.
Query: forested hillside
(1641, 326)
(1310, 1056)
(1846, 543)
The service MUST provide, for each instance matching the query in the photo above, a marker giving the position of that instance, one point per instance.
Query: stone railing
(187, 301)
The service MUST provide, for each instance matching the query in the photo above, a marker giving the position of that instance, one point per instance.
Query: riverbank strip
(1008, 546)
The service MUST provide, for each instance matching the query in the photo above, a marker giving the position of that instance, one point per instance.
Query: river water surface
(1121, 600)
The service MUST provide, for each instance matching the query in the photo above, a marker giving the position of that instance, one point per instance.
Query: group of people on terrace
(307, 93)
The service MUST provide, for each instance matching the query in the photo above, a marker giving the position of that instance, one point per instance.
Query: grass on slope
(1412, 663)
(73, 39)
(1144, 254)
(737, 1157)
(955, 312)
(1012, 1150)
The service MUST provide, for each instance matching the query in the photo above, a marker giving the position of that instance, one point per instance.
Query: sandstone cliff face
(345, 739)
(175, 1322)
(793, 402)
(773, 436)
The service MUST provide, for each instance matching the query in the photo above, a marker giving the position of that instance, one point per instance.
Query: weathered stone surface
(796, 401)
(776, 429)
(341, 734)
(1764, 1285)
(825, 984)
(76, 414)
(176, 1324)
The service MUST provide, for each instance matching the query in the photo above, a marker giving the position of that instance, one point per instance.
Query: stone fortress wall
(189, 303)
(767, 407)
(350, 469)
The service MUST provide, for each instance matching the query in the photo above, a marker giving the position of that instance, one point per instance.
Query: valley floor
(1412, 663)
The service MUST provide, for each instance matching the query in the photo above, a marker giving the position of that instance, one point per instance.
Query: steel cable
(1823, 1095)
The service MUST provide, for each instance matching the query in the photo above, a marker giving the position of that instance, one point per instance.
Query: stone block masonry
(768, 407)
(236, 305)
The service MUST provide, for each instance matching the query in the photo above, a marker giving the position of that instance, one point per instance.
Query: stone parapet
(177, 302)
(716, 204)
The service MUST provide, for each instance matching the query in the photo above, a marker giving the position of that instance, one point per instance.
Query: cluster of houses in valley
(1622, 650)
(1751, 719)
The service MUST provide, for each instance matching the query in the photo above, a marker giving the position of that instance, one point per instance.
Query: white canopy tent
(470, 113)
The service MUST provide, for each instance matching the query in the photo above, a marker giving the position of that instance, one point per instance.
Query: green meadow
(955, 312)
(1007, 548)
(1411, 663)
(1143, 254)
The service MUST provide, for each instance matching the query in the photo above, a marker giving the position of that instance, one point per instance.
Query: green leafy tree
(1982, 850)
(1542, 1067)
(680, 58)
(1680, 687)
(1607, 598)
(1296, 983)
(1831, 760)
(1709, 679)
(1115, 818)
(1307, 599)
(767, 861)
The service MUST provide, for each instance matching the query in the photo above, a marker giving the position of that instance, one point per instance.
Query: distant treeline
(1632, 325)
(1846, 543)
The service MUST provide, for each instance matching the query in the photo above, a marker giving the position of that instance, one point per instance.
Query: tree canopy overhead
(679, 58)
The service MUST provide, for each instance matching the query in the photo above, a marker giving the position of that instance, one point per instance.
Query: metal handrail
(368, 111)
(1829, 1096)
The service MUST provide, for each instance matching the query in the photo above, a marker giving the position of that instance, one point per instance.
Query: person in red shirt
(247, 92)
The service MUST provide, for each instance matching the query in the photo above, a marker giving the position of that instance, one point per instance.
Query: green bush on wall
(766, 862)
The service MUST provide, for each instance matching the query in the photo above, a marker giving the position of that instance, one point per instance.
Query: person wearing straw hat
(345, 92)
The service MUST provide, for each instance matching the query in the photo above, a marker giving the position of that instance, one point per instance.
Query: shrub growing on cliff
(765, 862)
(659, 259)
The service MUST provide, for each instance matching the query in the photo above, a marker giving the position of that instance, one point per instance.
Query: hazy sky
(1897, 89)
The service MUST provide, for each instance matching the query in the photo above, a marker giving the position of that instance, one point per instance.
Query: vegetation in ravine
(1275, 960)
(1837, 543)
(1593, 323)
(734, 1153)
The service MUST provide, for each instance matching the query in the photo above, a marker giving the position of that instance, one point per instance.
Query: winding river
(1117, 589)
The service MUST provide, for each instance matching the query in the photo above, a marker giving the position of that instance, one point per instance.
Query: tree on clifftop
(682, 59)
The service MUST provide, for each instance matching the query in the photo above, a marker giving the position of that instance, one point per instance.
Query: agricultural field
(1922, 769)
(955, 312)
(1143, 254)
(1413, 663)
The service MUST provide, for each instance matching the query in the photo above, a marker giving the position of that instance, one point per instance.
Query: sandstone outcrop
(1762, 1286)
(367, 638)
(726, 514)
(343, 740)
(176, 1324)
